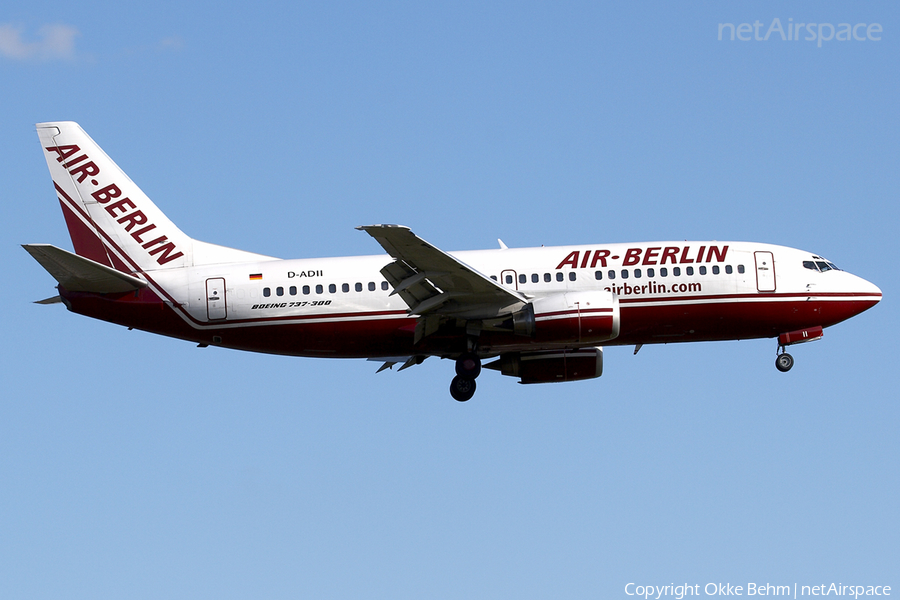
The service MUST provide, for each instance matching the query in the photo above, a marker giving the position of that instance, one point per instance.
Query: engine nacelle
(576, 317)
(551, 365)
(565, 318)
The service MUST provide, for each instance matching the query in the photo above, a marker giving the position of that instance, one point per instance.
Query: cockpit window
(819, 264)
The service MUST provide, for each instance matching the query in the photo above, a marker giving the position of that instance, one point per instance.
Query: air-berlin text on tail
(80, 168)
(658, 255)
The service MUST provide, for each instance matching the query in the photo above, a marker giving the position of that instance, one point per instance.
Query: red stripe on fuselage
(389, 333)
(359, 335)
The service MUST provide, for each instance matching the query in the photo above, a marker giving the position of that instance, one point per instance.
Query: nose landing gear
(784, 361)
(468, 367)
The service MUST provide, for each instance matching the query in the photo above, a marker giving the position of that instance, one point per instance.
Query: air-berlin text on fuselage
(657, 255)
(81, 167)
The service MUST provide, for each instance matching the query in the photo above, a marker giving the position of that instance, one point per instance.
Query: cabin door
(765, 271)
(215, 298)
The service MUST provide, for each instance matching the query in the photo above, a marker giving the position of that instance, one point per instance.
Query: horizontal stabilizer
(51, 300)
(79, 274)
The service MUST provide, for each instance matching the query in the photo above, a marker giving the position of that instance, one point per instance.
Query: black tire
(462, 389)
(468, 366)
(784, 362)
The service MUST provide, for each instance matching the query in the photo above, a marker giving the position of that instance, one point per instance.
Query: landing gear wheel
(784, 362)
(468, 366)
(462, 389)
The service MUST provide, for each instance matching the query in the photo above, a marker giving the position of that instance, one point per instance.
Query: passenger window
(676, 271)
(611, 274)
(358, 287)
(319, 289)
(598, 275)
(345, 287)
(572, 276)
(535, 278)
(559, 276)
(663, 272)
(689, 270)
(740, 268)
(384, 285)
(637, 273)
(293, 290)
(624, 273)
(651, 272)
(306, 290)
(547, 277)
(703, 270)
(715, 269)
(371, 286)
(267, 292)
(494, 277)
(332, 288)
(728, 270)
(523, 278)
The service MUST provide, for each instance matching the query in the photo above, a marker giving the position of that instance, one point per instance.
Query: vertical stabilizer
(111, 221)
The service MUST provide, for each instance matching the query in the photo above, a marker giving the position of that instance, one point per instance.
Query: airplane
(539, 314)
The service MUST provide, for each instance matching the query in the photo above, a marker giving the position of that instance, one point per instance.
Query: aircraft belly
(391, 333)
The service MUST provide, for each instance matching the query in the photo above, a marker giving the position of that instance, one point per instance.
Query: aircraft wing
(432, 282)
(79, 274)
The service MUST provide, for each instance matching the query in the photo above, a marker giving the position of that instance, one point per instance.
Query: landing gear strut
(468, 367)
(784, 361)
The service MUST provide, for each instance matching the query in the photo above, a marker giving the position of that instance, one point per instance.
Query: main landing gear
(468, 367)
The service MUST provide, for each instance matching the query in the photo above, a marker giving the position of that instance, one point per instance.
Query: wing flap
(79, 274)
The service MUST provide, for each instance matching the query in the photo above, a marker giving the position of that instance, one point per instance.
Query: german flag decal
(255, 276)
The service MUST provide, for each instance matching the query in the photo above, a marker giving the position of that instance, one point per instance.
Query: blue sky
(139, 466)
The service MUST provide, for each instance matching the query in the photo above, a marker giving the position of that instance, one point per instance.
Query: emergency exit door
(509, 279)
(215, 298)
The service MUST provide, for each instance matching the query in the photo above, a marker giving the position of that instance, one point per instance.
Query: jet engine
(571, 317)
(551, 365)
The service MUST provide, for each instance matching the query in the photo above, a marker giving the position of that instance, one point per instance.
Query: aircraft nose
(870, 288)
(867, 293)
(861, 296)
